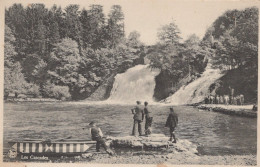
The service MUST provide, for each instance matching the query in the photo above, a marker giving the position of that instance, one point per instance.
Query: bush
(33, 89)
(57, 92)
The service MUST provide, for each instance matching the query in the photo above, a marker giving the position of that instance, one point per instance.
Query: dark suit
(138, 118)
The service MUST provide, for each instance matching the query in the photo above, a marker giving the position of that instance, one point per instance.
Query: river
(214, 133)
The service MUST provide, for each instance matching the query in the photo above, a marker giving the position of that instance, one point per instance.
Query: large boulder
(154, 141)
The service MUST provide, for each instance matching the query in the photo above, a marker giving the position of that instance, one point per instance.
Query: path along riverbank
(243, 110)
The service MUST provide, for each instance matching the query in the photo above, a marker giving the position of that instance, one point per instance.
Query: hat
(138, 102)
(171, 108)
(91, 123)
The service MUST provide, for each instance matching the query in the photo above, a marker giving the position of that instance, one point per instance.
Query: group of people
(139, 114)
(225, 99)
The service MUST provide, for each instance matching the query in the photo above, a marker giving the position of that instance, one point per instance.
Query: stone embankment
(243, 110)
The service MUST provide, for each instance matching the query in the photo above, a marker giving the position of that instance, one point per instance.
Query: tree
(134, 39)
(73, 24)
(169, 34)
(9, 50)
(194, 55)
(14, 81)
(85, 22)
(64, 72)
(233, 43)
(115, 27)
(40, 38)
(95, 27)
(35, 28)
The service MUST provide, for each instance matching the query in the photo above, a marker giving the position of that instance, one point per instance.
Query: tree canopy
(66, 52)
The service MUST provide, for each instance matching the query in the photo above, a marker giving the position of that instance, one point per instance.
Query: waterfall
(137, 83)
(195, 91)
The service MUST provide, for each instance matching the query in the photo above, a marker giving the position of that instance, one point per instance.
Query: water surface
(215, 133)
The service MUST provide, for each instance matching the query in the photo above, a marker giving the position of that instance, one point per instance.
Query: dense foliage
(234, 40)
(230, 44)
(65, 53)
(68, 53)
(176, 59)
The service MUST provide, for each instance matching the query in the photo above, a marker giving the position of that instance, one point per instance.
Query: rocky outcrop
(103, 91)
(155, 141)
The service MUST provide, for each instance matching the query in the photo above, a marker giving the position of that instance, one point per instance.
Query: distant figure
(138, 118)
(172, 122)
(217, 99)
(206, 100)
(242, 99)
(148, 119)
(232, 91)
(221, 99)
(235, 100)
(254, 107)
(231, 94)
(97, 135)
(226, 99)
(211, 99)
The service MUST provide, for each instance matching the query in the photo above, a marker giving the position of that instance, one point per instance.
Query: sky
(147, 16)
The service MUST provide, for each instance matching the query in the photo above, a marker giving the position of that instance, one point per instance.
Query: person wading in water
(172, 122)
(138, 118)
(148, 119)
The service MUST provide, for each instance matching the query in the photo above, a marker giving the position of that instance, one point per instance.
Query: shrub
(57, 92)
(33, 89)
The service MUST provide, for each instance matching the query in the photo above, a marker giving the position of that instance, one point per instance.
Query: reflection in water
(215, 133)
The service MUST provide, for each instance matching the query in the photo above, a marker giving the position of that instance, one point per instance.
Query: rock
(151, 144)
(87, 155)
(154, 141)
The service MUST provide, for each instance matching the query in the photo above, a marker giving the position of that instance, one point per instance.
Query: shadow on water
(214, 133)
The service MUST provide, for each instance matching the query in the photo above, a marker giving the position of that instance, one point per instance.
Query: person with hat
(97, 135)
(138, 118)
(172, 122)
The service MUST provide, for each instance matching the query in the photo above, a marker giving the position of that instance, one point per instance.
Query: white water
(195, 91)
(137, 83)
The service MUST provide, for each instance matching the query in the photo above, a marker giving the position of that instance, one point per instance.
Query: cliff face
(103, 91)
(166, 85)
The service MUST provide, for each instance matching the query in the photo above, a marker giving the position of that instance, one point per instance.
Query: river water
(214, 133)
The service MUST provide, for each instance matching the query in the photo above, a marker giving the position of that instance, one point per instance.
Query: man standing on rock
(138, 118)
(172, 122)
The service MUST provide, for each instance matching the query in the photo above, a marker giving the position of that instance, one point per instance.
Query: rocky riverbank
(155, 149)
(176, 159)
(243, 110)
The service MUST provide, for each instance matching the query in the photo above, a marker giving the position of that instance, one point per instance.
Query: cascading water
(196, 91)
(137, 83)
